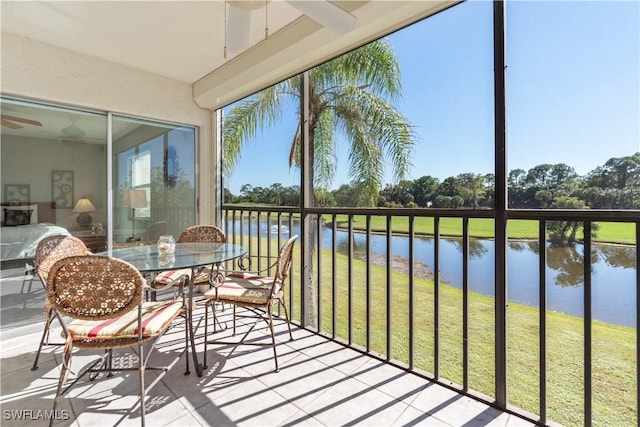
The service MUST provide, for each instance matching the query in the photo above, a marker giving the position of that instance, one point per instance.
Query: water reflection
(567, 262)
(613, 270)
(526, 245)
(477, 247)
(618, 256)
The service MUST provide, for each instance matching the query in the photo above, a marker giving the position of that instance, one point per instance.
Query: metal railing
(380, 304)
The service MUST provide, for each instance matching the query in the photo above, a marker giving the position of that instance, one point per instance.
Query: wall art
(62, 189)
(18, 194)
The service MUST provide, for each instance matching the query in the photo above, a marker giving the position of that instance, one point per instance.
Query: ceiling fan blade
(21, 120)
(9, 124)
(238, 27)
(327, 14)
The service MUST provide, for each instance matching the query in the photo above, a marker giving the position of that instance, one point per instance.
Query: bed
(24, 226)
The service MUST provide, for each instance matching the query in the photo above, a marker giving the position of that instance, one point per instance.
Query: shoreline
(400, 264)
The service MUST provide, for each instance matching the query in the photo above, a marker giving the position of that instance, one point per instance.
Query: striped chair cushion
(172, 276)
(244, 288)
(155, 315)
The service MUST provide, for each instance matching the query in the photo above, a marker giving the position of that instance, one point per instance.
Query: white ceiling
(184, 40)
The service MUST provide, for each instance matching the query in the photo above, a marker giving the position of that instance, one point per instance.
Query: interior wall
(46, 73)
(87, 161)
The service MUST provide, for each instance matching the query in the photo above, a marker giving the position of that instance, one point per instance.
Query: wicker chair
(104, 298)
(48, 252)
(193, 234)
(254, 291)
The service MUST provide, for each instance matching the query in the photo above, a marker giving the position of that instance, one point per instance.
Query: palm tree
(354, 95)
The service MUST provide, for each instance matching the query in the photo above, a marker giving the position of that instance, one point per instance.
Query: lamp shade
(84, 205)
(134, 199)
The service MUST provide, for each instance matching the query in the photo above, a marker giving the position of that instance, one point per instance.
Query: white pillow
(34, 211)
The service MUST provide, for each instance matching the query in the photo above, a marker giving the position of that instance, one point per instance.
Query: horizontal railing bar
(244, 208)
(533, 214)
(577, 215)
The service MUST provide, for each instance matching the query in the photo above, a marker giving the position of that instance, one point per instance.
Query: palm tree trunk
(307, 126)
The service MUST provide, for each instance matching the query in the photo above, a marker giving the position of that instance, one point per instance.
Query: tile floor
(320, 383)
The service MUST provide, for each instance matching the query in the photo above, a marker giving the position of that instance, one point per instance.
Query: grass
(610, 232)
(613, 350)
(613, 347)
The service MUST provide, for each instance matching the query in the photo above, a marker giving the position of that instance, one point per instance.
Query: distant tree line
(615, 185)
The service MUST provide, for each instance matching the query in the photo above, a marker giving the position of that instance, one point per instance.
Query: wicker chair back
(202, 234)
(94, 288)
(54, 248)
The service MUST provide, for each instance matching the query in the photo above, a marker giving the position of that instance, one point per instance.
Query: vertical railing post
(465, 303)
(319, 223)
(368, 301)
(389, 293)
(588, 317)
(412, 298)
(542, 267)
(436, 297)
(350, 314)
(334, 270)
(500, 135)
(307, 300)
(637, 320)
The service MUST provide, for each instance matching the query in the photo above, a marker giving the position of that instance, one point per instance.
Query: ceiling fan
(12, 122)
(74, 134)
(322, 11)
(72, 131)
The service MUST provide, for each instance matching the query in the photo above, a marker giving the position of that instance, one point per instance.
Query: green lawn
(613, 351)
(609, 232)
(612, 232)
(614, 347)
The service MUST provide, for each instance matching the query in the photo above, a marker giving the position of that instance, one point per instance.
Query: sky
(573, 93)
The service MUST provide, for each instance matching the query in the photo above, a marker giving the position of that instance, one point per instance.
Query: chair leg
(234, 320)
(187, 331)
(143, 391)
(286, 316)
(28, 277)
(63, 374)
(64, 370)
(215, 319)
(273, 337)
(45, 337)
(206, 332)
(109, 363)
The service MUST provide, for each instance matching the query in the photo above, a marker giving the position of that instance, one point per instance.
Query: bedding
(21, 241)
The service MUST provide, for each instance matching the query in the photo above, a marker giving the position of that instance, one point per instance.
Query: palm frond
(386, 128)
(374, 65)
(353, 95)
(244, 119)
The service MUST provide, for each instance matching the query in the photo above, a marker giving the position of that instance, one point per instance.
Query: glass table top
(186, 255)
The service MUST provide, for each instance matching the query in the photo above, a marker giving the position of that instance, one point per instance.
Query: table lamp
(134, 199)
(83, 207)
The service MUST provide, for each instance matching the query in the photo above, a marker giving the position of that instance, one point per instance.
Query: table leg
(198, 365)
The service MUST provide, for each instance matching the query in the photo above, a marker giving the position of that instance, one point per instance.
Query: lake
(613, 270)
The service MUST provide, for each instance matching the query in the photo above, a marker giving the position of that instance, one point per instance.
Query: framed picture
(62, 189)
(18, 194)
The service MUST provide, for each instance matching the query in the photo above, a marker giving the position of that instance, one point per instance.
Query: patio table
(187, 255)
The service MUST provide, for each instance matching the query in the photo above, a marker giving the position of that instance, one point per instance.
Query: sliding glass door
(55, 173)
(154, 179)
